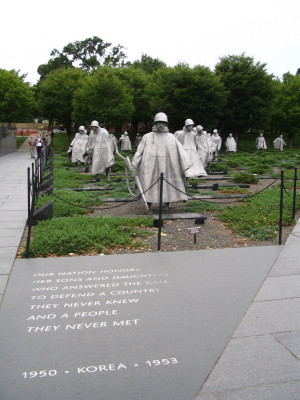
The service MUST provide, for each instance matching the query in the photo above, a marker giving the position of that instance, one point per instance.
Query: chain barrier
(107, 208)
(227, 202)
(287, 191)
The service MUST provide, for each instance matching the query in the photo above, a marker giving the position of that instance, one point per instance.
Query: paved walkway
(262, 359)
(13, 208)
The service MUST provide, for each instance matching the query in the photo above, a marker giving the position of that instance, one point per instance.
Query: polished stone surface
(174, 315)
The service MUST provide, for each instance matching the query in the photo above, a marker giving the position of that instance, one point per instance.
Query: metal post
(33, 186)
(281, 206)
(295, 191)
(29, 213)
(160, 209)
(28, 193)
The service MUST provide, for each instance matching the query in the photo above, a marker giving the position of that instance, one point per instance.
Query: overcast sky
(196, 32)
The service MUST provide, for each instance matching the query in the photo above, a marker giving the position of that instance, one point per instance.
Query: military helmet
(94, 123)
(189, 122)
(81, 128)
(161, 117)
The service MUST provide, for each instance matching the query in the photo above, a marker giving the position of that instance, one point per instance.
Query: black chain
(287, 191)
(107, 208)
(216, 202)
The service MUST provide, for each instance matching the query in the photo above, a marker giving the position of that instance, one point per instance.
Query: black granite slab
(144, 326)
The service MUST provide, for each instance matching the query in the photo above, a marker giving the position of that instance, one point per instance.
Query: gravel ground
(175, 235)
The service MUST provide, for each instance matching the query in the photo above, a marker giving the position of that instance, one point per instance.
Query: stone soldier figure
(279, 143)
(260, 142)
(125, 142)
(138, 139)
(159, 151)
(79, 145)
(204, 147)
(217, 142)
(230, 143)
(102, 147)
(187, 137)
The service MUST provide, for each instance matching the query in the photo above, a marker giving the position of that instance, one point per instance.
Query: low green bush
(245, 177)
(82, 235)
(258, 216)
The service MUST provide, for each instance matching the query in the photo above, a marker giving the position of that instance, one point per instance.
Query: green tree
(136, 82)
(183, 92)
(286, 111)
(148, 64)
(17, 101)
(250, 93)
(86, 54)
(56, 93)
(102, 96)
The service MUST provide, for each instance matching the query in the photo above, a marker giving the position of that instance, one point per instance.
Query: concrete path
(262, 359)
(13, 208)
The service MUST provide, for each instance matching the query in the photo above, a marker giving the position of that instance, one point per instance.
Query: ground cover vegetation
(77, 229)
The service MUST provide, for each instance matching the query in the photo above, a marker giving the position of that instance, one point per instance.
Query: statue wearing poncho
(159, 151)
(187, 137)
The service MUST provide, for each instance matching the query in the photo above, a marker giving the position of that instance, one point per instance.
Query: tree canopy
(17, 100)
(56, 94)
(183, 92)
(102, 96)
(86, 54)
(250, 93)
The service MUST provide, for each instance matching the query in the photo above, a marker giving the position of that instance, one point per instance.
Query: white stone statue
(138, 139)
(159, 151)
(125, 142)
(230, 143)
(279, 143)
(187, 137)
(79, 145)
(217, 143)
(114, 139)
(203, 144)
(260, 142)
(102, 148)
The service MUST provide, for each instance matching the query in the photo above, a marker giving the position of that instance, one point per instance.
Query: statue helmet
(189, 122)
(215, 131)
(199, 128)
(94, 123)
(161, 117)
(81, 128)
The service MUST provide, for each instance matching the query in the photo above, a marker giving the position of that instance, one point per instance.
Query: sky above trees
(194, 32)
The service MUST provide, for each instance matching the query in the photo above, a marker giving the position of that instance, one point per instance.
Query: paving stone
(7, 257)
(3, 282)
(279, 287)
(282, 391)
(189, 315)
(292, 247)
(270, 317)
(9, 241)
(291, 340)
(13, 216)
(286, 266)
(208, 396)
(12, 224)
(252, 361)
(14, 206)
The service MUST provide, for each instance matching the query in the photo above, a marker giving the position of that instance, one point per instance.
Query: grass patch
(63, 208)
(82, 235)
(258, 218)
(245, 177)
(20, 141)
